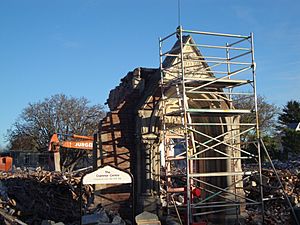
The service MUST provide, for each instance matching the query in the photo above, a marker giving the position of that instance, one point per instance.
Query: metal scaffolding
(203, 100)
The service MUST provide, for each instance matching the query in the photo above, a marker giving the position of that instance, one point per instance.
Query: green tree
(290, 113)
(290, 117)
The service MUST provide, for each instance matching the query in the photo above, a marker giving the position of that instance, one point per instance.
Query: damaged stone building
(177, 130)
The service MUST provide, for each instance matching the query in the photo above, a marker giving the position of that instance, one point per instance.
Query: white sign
(107, 175)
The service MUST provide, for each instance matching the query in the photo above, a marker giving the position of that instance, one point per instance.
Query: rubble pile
(276, 207)
(292, 164)
(277, 210)
(34, 196)
(99, 215)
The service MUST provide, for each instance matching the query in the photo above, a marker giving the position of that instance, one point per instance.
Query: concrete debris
(172, 221)
(40, 196)
(101, 216)
(6, 218)
(277, 210)
(117, 220)
(50, 222)
(95, 218)
(293, 165)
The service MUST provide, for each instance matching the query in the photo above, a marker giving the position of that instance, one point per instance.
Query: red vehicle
(78, 142)
(6, 163)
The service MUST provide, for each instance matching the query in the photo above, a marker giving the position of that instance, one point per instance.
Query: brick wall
(118, 132)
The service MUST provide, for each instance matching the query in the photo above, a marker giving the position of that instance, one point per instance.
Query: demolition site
(170, 150)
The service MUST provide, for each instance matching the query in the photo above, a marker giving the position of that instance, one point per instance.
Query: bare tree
(267, 113)
(57, 114)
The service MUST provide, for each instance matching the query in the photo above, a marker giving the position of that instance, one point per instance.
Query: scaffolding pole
(201, 127)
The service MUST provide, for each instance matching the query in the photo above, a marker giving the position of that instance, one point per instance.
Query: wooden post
(95, 151)
(57, 161)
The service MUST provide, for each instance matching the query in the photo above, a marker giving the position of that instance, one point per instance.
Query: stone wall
(131, 137)
(120, 139)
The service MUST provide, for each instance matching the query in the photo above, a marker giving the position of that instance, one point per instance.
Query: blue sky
(84, 47)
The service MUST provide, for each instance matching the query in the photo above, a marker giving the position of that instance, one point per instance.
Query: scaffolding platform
(201, 84)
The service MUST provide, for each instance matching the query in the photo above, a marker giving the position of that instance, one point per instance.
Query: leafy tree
(289, 136)
(290, 113)
(57, 114)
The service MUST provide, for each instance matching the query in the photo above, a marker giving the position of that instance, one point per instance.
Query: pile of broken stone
(276, 207)
(49, 198)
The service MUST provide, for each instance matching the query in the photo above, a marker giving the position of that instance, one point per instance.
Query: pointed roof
(294, 126)
(187, 40)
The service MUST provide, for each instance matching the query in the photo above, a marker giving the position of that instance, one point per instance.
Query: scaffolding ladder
(202, 133)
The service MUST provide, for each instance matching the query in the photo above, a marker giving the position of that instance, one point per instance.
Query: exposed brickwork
(118, 133)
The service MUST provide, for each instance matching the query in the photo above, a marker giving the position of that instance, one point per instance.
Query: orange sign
(88, 145)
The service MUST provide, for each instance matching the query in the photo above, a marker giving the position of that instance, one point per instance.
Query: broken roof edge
(137, 79)
(294, 126)
(130, 84)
